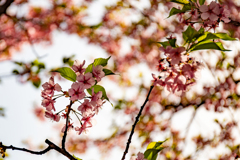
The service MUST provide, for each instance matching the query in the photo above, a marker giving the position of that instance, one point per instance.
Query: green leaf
(201, 2)
(208, 45)
(225, 36)
(164, 44)
(172, 42)
(99, 61)
(108, 72)
(208, 35)
(152, 150)
(67, 73)
(181, 1)
(98, 88)
(174, 10)
(190, 34)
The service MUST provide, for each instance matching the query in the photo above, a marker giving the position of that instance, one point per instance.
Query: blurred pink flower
(98, 72)
(52, 116)
(210, 12)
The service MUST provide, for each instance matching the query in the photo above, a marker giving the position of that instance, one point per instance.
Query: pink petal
(204, 16)
(204, 8)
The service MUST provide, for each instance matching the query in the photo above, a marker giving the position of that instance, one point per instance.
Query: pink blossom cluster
(209, 15)
(177, 71)
(90, 105)
(48, 101)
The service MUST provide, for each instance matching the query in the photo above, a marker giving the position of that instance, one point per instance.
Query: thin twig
(135, 123)
(26, 150)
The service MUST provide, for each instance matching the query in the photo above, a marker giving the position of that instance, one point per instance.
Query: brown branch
(5, 6)
(66, 128)
(50, 146)
(135, 123)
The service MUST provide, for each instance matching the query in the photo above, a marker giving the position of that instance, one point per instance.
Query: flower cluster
(178, 71)
(140, 156)
(89, 105)
(208, 15)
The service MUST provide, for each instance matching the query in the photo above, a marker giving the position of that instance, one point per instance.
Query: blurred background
(39, 35)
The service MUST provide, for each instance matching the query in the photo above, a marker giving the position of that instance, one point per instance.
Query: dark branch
(135, 123)
(5, 6)
(50, 146)
(60, 150)
(26, 150)
(66, 128)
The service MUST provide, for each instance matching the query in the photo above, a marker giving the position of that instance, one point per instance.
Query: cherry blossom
(78, 67)
(52, 116)
(173, 53)
(98, 72)
(96, 98)
(50, 87)
(210, 12)
(76, 91)
(48, 102)
(86, 80)
(86, 108)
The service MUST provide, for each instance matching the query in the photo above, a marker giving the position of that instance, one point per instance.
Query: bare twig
(135, 123)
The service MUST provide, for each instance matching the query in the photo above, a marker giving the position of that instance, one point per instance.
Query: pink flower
(224, 14)
(86, 80)
(157, 81)
(48, 102)
(210, 12)
(49, 87)
(194, 14)
(81, 129)
(140, 156)
(86, 108)
(78, 67)
(76, 91)
(96, 98)
(87, 124)
(52, 116)
(98, 72)
(174, 53)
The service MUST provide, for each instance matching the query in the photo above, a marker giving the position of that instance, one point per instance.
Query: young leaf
(67, 73)
(174, 10)
(99, 61)
(181, 1)
(208, 35)
(98, 88)
(152, 150)
(224, 36)
(189, 34)
(108, 72)
(172, 42)
(164, 44)
(208, 45)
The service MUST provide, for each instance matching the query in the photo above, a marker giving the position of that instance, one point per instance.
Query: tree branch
(66, 128)
(135, 123)
(5, 6)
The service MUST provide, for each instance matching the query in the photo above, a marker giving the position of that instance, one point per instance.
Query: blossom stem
(135, 123)
(66, 128)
